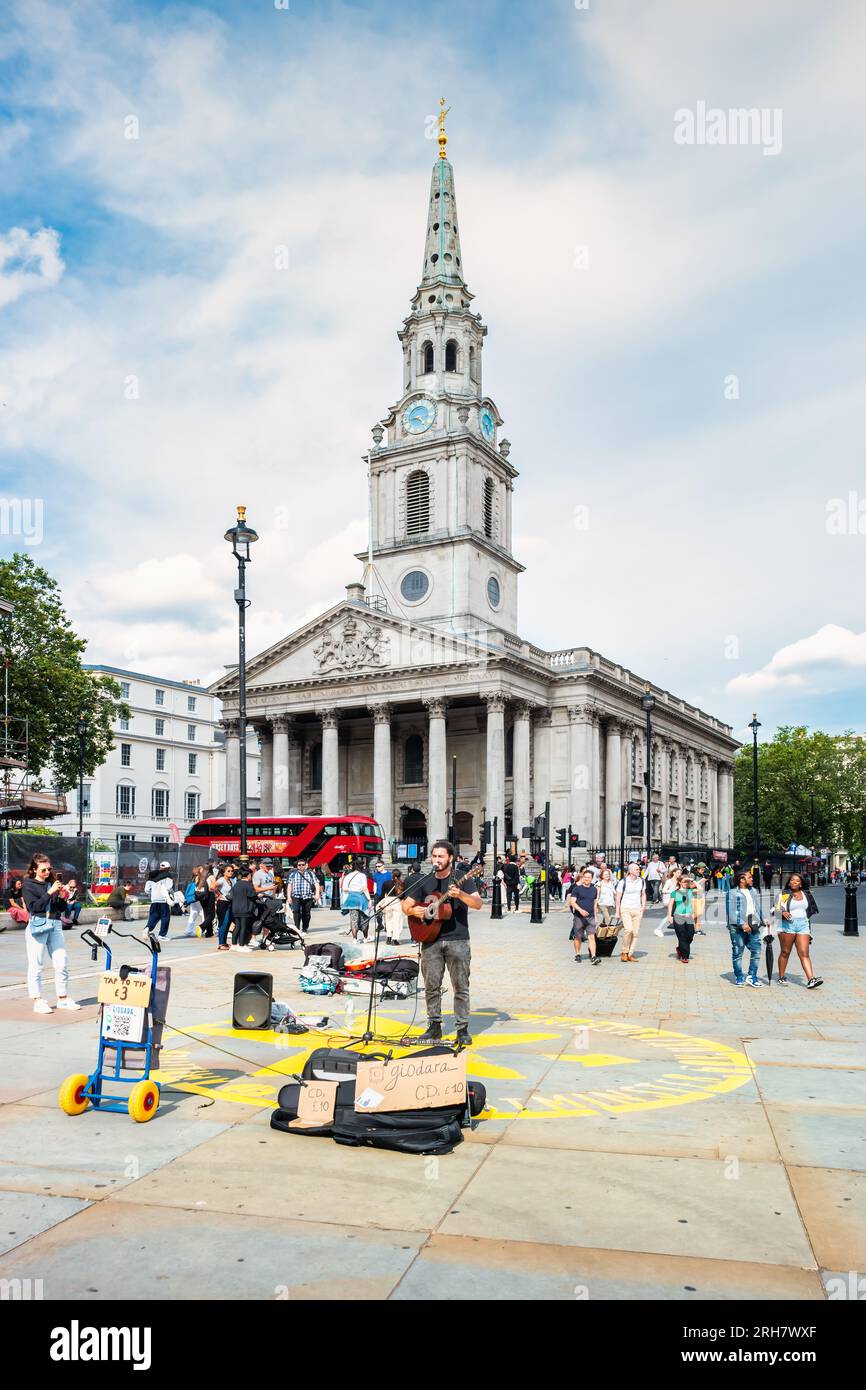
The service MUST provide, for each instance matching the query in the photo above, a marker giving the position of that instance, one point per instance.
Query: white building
(421, 671)
(167, 767)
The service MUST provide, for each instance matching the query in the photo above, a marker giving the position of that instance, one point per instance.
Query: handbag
(40, 926)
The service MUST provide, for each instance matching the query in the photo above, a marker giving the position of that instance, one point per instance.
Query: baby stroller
(283, 935)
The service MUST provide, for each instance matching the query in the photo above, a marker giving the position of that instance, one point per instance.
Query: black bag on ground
(337, 1063)
(288, 1101)
(333, 953)
(406, 1131)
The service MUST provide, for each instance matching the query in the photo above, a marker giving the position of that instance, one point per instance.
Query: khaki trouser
(631, 928)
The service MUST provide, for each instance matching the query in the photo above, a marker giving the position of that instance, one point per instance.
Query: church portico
(421, 673)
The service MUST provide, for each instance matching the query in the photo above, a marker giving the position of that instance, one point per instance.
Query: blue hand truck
(123, 1028)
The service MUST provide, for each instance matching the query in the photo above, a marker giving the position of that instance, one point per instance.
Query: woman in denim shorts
(793, 910)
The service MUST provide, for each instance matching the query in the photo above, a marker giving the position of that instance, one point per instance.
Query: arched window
(674, 833)
(417, 503)
(489, 516)
(451, 356)
(413, 761)
(316, 768)
(509, 752)
(427, 358)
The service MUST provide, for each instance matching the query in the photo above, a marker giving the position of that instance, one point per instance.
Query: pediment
(351, 641)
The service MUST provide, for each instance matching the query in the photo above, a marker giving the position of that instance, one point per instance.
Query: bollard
(335, 894)
(851, 928)
(496, 900)
(535, 915)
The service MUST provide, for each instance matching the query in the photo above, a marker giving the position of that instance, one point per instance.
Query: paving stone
(832, 1204)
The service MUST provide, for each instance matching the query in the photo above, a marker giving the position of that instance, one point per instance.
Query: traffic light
(575, 840)
(487, 832)
(540, 827)
(635, 820)
(561, 836)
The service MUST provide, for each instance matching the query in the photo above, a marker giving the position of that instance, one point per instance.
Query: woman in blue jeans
(44, 934)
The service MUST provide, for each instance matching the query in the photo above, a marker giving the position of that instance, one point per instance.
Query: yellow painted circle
(602, 1067)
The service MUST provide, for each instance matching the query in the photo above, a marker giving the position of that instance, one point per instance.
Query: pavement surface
(652, 1131)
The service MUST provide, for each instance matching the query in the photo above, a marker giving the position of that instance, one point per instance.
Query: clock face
(418, 417)
(488, 423)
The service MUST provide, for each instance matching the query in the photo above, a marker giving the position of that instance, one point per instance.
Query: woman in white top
(354, 883)
(794, 908)
(630, 904)
(606, 901)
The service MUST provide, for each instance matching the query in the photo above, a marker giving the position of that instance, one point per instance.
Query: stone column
(437, 777)
(296, 771)
(541, 779)
(383, 781)
(726, 828)
(495, 795)
(330, 762)
(580, 760)
(266, 748)
(233, 766)
(612, 781)
(280, 802)
(595, 833)
(520, 778)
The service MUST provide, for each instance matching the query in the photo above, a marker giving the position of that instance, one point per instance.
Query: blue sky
(154, 365)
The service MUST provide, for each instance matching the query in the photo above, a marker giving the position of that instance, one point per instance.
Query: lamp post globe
(241, 537)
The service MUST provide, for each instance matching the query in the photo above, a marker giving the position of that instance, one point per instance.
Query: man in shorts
(583, 901)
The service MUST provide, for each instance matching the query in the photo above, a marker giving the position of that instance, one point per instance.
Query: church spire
(443, 261)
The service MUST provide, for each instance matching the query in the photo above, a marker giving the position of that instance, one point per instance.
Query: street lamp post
(755, 726)
(82, 736)
(241, 537)
(648, 701)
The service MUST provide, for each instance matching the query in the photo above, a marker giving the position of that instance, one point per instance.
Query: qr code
(122, 1022)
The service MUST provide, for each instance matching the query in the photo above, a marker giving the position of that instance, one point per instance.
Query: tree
(47, 682)
(795, 767)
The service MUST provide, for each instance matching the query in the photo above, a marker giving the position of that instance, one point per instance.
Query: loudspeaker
(253, 996)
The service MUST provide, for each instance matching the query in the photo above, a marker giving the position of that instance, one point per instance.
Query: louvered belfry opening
(417, 503)
(488, 508)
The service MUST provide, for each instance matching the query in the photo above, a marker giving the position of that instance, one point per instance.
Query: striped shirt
(303, 885)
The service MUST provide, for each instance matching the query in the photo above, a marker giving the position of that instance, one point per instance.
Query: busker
(450, 948)
(583, 901)
(744, 926)
(795, 908)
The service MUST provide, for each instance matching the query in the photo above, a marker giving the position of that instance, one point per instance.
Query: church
(418, 681)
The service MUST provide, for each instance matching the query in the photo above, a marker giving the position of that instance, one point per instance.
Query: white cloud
(831, 649)
(28, 261)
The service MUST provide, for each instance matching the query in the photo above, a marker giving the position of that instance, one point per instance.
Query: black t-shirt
(511, 874)
(457, 928)
(585, 897)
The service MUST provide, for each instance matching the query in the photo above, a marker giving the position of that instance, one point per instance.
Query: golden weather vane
(442, 137)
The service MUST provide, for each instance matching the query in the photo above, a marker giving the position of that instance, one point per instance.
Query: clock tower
(440, 478)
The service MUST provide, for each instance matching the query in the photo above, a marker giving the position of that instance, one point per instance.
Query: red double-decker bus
(322, 840)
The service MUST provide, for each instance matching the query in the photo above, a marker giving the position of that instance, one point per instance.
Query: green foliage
(47, 683)
(795, 766)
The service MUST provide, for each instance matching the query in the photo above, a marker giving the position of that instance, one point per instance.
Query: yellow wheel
(143, 1100)
(72, 1097)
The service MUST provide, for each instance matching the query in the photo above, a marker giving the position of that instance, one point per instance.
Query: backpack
(189, 893)
(333, 953)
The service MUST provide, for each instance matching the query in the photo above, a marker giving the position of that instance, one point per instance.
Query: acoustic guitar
(437, 909)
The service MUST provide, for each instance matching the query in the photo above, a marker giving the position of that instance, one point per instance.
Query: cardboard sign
(316, 1104)
(135, 989)
(411, 1083)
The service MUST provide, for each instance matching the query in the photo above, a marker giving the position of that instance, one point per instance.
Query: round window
(494, 593)
(414, 586)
